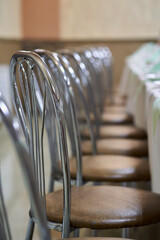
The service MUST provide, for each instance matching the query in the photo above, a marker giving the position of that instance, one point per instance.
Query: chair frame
(14, 130)
(33, 60)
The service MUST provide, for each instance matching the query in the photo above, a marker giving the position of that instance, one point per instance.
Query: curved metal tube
(24, 159)
(54, 57)
(58, 108)
(76, 82)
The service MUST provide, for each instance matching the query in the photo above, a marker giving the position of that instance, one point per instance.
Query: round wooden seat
(117, 100)
(129, 147)
(105, 207)
(115, 109)
(110, 131)
(112, 168)
(110, 118)
(116, 118)
(96, 238)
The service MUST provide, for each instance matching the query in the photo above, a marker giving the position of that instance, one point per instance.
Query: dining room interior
(80, 119)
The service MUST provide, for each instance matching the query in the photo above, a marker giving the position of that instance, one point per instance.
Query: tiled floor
(18, 202)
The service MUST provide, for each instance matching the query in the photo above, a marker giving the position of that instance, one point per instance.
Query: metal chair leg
(125, 232)
(76, 233)
(51, 185)
(94, 233)
(30, 230)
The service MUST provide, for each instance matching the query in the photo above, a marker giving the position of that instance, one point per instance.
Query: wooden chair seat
(105, 207)
(112, 168)
(129, 147)
(110, 118)
(117, 100)
(114, 109)
(109, 131)
(96, 238)
(116, 118)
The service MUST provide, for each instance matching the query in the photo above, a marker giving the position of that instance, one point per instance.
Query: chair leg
(125, 232)
(51, 184)
(135, 232)
(30, 230)
(76, 233)
(94, 233)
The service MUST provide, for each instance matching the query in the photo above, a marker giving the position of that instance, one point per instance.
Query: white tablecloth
(142, 93)
(153, 139)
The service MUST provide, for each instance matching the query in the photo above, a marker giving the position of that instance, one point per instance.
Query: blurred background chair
(112, 207)
(96, 168)
(114, 146)
(15, 133)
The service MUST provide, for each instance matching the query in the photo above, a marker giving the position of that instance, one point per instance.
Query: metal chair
(14, 130)
(29, 71)
(24, 159)
(103, 78)
(95, 207)
(111, 103)
(107, 131)
(98, 167)
(130, 147)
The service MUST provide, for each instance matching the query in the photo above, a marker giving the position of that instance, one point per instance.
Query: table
(140, 82)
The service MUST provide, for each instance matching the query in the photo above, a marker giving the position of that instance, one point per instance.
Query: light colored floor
(18, 202)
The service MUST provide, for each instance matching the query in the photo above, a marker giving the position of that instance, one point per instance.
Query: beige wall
(109, 19)
(10, 19)
(79, 19)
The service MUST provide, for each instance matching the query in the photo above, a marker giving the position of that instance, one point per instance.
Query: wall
(90, 19)
(79, 19)
(122, 25)
(109, 19)
(10, 19)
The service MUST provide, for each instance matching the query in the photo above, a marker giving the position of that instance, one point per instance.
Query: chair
(129, 147)
(24, 159)
(99, 207)
(108, 131)
(102, 65)
(95, 168)
(113, 102)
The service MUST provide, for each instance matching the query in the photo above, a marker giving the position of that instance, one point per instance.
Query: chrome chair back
(41, 101)
(62, 81)
(107, 60)
(95, 74)
(103, 57)
(14, 130)
(81, 68)
(76, 84)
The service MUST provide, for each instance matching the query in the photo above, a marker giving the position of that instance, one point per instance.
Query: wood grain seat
(96, 238)
(110, 118)
(112, 168)
(120, 131)
(129, 147)
(105, 207)
(116, 118)
(115, 109)
(117, 100)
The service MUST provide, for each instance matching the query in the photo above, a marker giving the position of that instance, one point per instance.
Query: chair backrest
(76, 84)
(95, 73)
(96, 78)
(28, 173)
(82, 70)
(41, 101)
(103, 57)
(62, 81)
